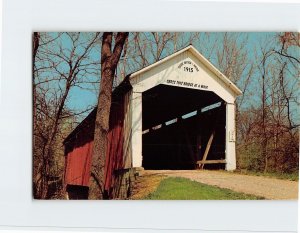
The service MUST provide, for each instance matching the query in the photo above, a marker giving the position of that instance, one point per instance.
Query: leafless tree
(59, 67)
(110, 54)
(271, 138)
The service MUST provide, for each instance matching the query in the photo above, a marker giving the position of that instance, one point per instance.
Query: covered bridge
(178, 113)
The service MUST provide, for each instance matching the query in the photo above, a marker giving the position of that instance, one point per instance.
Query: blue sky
(80, 98)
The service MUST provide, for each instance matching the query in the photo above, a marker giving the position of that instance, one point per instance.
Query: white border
(20, 18)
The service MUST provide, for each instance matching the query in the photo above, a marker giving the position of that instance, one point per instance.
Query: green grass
(185, 189)
(284, 176)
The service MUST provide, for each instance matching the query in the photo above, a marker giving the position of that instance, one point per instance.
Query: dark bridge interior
(177, 124)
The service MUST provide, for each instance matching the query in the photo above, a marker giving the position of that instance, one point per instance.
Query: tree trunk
(37, 172)
(35, 45)
(109, 61)
(264, 139)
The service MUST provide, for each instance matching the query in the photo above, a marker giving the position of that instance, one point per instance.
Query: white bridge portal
(163, 88)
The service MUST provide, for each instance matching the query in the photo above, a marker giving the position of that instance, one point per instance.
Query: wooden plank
(207, 148)
(211, 161)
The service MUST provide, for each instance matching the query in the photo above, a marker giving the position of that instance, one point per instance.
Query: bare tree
(270, 138)
(288, 40)
(59, 68)
(110, 56)
(35, 46)
(265, 55)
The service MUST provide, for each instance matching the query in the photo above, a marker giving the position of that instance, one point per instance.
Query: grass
(284, 176)
(185, 189)
(145, 185)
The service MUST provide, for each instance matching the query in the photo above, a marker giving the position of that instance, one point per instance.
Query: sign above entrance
(186, 84)
(188, 66)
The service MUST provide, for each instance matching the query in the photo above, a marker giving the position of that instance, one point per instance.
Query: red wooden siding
(79, 165)
(114, 157)
(79, 146)
(78, 152)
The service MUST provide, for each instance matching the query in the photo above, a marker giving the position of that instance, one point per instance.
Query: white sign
(232, 136)
(188, 66)
(186, 84)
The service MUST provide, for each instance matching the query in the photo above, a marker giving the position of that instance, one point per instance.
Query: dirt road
(269, 188)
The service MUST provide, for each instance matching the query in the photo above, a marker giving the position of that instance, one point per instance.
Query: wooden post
(136, 129)
(230, 137)
(217, 161)
(207, 148)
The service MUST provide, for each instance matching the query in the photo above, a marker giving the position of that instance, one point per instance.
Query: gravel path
(269, 188)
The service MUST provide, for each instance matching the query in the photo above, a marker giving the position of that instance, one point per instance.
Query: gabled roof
(201, 58)
(125, 85)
